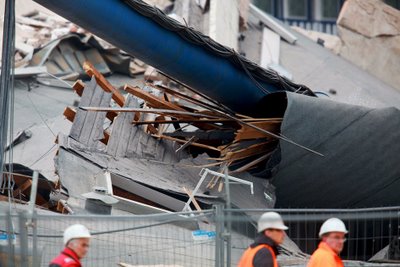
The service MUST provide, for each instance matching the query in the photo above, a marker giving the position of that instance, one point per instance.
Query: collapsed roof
(333, 74)
(185, 54)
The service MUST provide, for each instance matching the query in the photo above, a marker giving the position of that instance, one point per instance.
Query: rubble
(47, 44)
(182, 127)
(146, 145)
(21, 177)
(230, 139)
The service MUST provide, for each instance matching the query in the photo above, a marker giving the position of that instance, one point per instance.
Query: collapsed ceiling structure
(297, 150)
(184, 58)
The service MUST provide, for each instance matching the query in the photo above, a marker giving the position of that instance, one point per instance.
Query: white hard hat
(271, 220)
(75, 231)
(332, 225)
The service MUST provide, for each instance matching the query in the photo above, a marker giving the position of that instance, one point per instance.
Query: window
(265, 5)
(393, 3)
(326, 9)
(295, 9)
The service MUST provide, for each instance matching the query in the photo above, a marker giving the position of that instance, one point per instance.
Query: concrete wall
(224, 22)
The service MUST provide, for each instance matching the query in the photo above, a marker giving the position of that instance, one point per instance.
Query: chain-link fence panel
(215, 237)
(372, 232)
(176, 239)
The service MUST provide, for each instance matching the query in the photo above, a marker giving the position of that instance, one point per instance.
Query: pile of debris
(51, 46)
(20, 180)
(196, 122)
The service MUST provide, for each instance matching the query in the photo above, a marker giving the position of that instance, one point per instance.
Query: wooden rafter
(91, 71)
(184, 141)
(246, 132)
(248, 152)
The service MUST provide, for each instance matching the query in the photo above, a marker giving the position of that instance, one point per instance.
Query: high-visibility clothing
(324, 256)
(67, 258)
(248, 256)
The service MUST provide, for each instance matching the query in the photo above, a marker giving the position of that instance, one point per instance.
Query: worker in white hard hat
(264, 250)
(76, 242)
(332, 234)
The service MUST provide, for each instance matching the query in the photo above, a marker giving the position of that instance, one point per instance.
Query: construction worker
(332, 234)
(264, 250)
(76, 242)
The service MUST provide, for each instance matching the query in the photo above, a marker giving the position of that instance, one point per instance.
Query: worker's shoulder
(321, 253)
(320, 258)
(64, 261)
(263, 257)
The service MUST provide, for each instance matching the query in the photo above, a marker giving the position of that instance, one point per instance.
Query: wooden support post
(21, 188)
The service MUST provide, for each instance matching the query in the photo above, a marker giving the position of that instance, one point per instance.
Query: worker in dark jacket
(76, 242)
(263, 252)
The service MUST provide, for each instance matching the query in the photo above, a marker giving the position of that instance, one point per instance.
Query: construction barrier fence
(215, 237)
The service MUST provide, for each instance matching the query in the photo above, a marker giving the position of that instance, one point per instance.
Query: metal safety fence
(373, 233)
(215, 237)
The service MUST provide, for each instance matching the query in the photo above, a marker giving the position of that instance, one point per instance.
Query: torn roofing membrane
(360, 167)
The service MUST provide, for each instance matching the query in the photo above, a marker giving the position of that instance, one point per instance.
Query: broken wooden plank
(80, 116)
(278, 136)
(63, 207)
(24, 182)
(164, 112)
(189, 99)
(88, 128)
(184, 141)
(69, 113)
(152, 100)
(6, 199)
(79, 86)
(192, 198)
(247, 152)
(121, 131)
(92, 130)
(22, 187)
(211, 184)
(105, 138)
(190, 141)
(151, 129)
(247, 132)
(251, 164)
(116, 95)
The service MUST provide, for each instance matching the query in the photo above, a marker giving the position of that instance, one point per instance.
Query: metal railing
(328, 27)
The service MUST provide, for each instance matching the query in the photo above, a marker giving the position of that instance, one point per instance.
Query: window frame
(285, 11)
(318, 7)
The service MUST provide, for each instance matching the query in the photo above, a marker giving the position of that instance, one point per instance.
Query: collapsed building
(232, 115)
